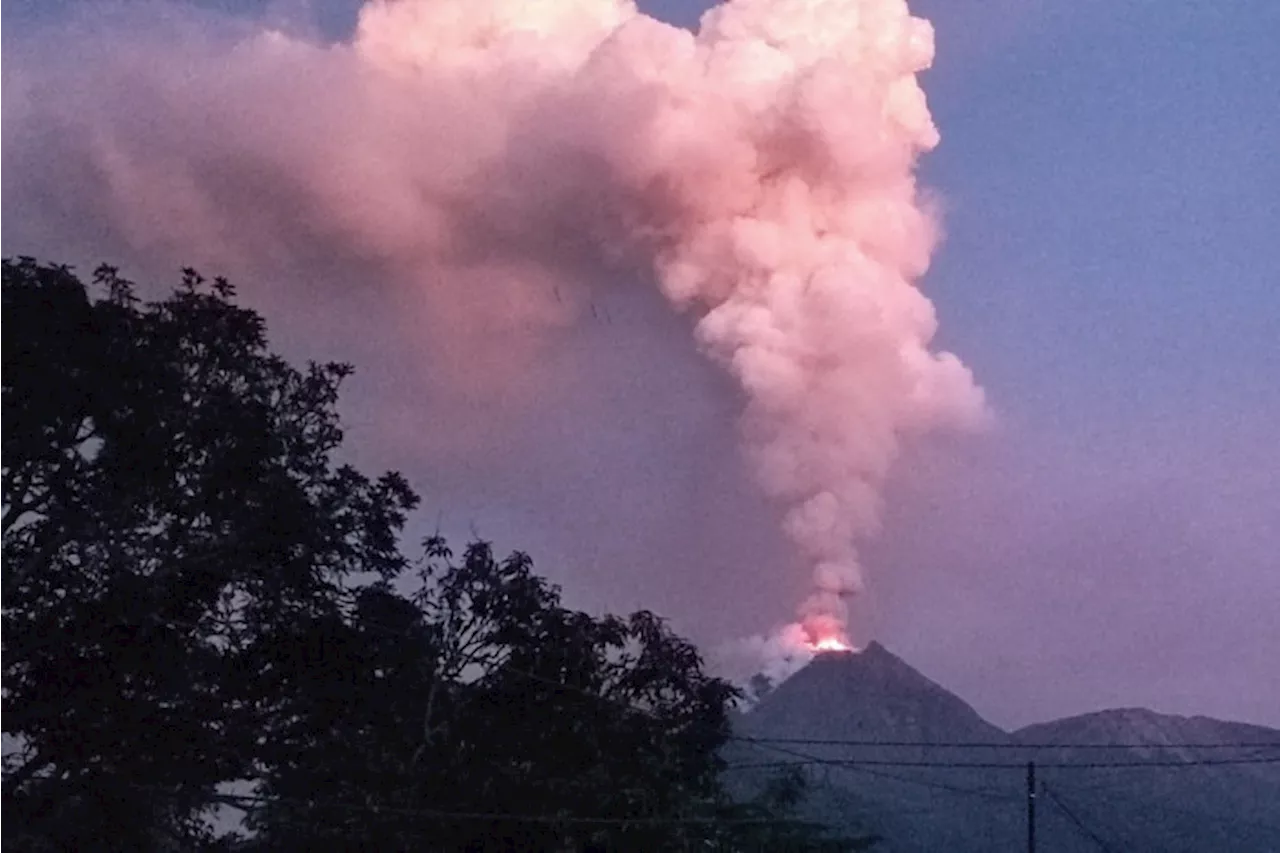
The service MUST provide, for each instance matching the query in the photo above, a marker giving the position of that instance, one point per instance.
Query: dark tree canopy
(196, 594)
(169, 502)
(487, 697)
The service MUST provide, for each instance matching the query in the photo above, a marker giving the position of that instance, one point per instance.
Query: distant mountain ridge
(1142, 726)
(889, 751)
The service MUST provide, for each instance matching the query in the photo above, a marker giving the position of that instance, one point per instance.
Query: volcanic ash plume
(761, 168)
(768, 165)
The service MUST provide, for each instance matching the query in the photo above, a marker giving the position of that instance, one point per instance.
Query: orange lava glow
(831, 644)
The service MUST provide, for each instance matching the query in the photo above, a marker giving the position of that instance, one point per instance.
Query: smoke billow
(502, 156)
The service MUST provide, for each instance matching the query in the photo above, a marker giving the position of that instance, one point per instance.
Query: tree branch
(40, 559)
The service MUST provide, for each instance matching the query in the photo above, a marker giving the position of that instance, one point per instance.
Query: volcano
(889, 752)
(891, 702)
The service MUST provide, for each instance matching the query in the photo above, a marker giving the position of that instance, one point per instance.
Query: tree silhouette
(195, 594)
(490, 717)
(169, 502)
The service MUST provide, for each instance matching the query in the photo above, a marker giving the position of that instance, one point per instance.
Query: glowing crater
(831, 644)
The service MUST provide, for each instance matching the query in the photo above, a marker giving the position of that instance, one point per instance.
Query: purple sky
(1108, 172)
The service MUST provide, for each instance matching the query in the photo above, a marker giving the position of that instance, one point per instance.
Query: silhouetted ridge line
(992, 765)
(988, 745)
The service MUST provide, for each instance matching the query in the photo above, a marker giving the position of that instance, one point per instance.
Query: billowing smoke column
(761, 169)
(766, 167)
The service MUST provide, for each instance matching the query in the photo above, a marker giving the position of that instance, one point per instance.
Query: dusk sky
(1107, 177)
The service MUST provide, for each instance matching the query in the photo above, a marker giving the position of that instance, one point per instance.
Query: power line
(955, 789)
(937, 786)
(1079, 824)
(1164, 806)
(863, 766)
(244, 801)
(1199, 762)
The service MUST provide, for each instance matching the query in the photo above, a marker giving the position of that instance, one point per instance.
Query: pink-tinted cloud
(493, 171)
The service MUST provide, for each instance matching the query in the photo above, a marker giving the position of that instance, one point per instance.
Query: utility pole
(1031, 807)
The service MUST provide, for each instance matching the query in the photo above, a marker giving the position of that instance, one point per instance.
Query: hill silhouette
(889, 751)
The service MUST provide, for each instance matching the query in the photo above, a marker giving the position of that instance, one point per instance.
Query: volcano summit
(889, 752)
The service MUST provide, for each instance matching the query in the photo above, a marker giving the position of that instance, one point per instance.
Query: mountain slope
(876, 700)
(1203, 802)
(967, 790)
(871, 695)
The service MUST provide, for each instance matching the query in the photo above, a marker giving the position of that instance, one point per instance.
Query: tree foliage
(169, 502)
(196, 593)
(483, 697)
